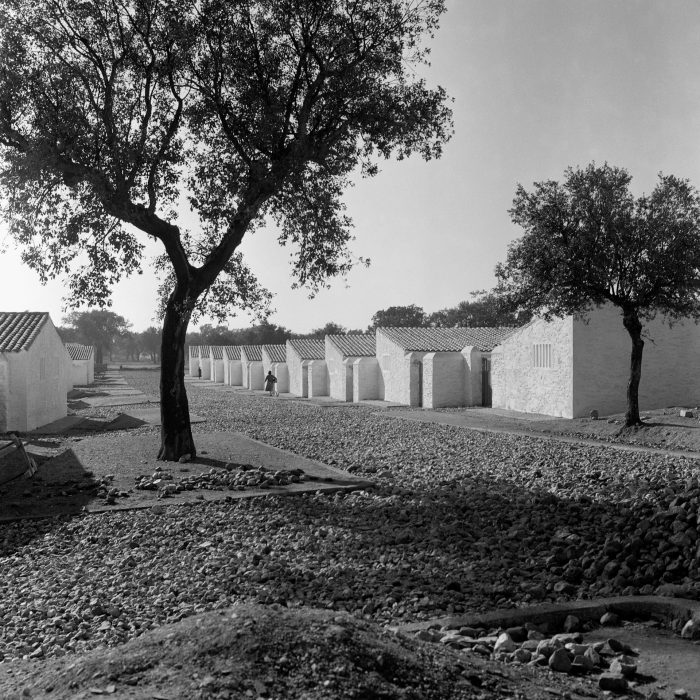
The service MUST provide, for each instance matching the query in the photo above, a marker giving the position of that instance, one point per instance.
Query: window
(542, 355)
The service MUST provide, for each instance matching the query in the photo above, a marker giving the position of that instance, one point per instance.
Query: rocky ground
(460, 521)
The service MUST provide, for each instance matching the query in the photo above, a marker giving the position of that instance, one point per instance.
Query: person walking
(270, 381)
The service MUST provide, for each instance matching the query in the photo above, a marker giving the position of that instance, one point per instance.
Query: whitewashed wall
(253, 375)
(193, 362)
(281, 371)
(337, 373)
(602, 347)
(205, 366)
(518, 386)
(472, 358)
(318, 378)
(4, 392)
(79, 373)
(298, 384)
(400, 379)
(367, 383)
(444, 379)
(233, 372)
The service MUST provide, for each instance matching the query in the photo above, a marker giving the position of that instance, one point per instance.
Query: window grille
(542, 355)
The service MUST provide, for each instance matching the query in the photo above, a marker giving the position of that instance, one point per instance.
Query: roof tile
(276, 353)
(80, 352)
(217, 352)
(309, 348)
(446, 339)
(355, 345)
(232, 352)
(253, 353)
(18, 330)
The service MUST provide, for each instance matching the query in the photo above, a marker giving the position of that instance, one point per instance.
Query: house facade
(82, 365)
(571, 366)
(436, 367)
(233, 371)
(306, 362)
(342, 353)
(216, 364)
(274, 359)
(35, 371)
(252, 367)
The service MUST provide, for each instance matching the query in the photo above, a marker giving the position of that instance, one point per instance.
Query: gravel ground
(460, 521)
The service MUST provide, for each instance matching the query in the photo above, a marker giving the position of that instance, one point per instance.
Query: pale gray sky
(538, 85)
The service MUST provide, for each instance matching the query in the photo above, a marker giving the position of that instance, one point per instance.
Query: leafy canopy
(113, 111)
(588, 241)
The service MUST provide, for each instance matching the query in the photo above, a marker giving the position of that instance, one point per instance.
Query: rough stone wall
(670, 363)
(318, 378)
(444, 379)
(45, 398)
(366, 379)
(297, 385)
(519, 386)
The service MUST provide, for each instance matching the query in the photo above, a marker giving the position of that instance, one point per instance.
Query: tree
(111, 112)
(588, 242)
(98, 327)
(399, 316)
(150, 342)
(331, 328)
(485, 310)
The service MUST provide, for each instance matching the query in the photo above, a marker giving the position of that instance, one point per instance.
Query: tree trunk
(634, 327)
(176, 433)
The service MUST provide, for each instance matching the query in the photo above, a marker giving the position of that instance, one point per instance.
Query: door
(485, 381)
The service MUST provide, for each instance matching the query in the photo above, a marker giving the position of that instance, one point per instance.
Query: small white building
(274, 359)
(216, 364)
(252, 367)
(82, 363)
(233, 372)
(306, 361)
(194, 360)
(34, 371)
(436, 367)
(571, 366)
(205, 361)
(349, 358)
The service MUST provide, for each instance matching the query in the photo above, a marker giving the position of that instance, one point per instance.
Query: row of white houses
(430, 367)
(564, 367)
(37, 370)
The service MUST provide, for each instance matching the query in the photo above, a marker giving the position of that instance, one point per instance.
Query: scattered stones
(610, 619)
(612, 681)
(560, 661)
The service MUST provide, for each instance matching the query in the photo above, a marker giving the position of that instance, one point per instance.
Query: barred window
(542, 355)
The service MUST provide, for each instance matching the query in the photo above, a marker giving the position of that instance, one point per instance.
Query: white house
(194, 360)
(216, 364)
(344, 354)
(34, 371)
(82, 363)
(436, 367)
(252, 367)
(306, 361)
(233, 373)
(571, 366)
(205, 361)
(274, 359)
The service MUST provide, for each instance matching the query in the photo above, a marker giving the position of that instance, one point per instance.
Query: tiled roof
(79, 352)
(253, 353)
(204, 351)
(309, 348)
(217, 352)
(358, 345)
(19, 329)
(194, 350)
(232, 352)
(276, 353)
(446, 339)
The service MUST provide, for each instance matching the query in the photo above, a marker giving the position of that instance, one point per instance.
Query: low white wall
(233, 373)
(4, 393)
(79, 373)
(298, 384)
(205, 366)
(194, 364)
(400, 380)
(281, 371)
(444, 379)
(318, 378)
(366, 379)
(254, 376)
(472, 358)
(217, 371)
(337, 372)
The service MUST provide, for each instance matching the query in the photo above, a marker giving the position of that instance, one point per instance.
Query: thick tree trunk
(634, 327)
(176, 433)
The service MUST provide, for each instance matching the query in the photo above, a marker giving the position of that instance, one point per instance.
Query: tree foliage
(484, 310)
(588, 241)
(399, 316)
(112, 111)
(99, 327)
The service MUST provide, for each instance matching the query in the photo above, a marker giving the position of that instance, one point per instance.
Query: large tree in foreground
(588, 241)
(111, 110)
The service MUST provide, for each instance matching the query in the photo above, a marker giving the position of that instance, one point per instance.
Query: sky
(538, 85)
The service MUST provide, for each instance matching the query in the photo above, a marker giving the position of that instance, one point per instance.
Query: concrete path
(459, 419)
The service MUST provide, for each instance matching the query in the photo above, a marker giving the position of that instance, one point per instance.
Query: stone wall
(233, 372)
(4, 392)
(194, 362)
(281, 371)
(205, 366)
(367, 381)
(444, 379)
(298, 381)
(318, 378)
(337, 373)
(519, 386)
(217, 371)
(253, 376)
(400, 382)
